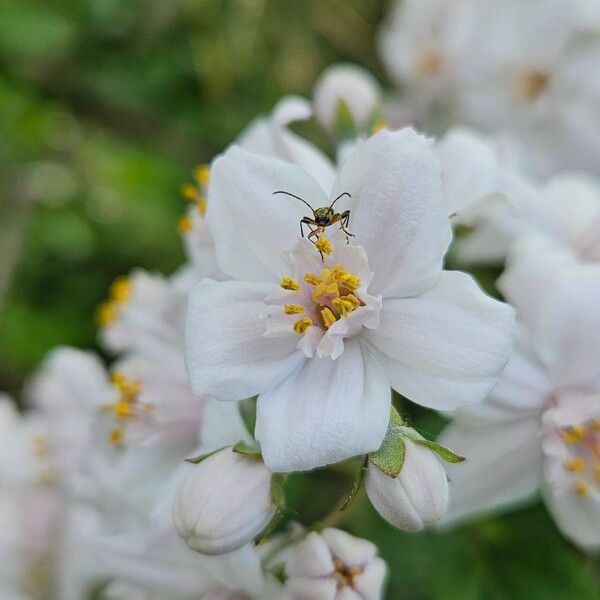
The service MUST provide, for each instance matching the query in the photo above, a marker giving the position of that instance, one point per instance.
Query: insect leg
(344, 221)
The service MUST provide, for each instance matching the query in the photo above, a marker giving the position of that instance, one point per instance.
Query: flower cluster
(316, 303)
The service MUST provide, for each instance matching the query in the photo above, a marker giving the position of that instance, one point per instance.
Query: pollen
(581, 488)
(345, 574)
(107, 313)
(190, 192)
(573, 435)
(293, 309)
(312, 279)
(287, 283)
(323, 245)
(301, 325)
(120, 290)
(531, 85)
(185, 224)
(119, 293)
(116, 436)
(328, 317)
(202, 175)
(576, 464)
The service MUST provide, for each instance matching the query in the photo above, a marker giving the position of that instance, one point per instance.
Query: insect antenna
(340, 196)
(297, 198)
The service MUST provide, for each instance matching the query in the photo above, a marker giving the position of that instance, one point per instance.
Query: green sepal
(248, 412)
(198, 459)
(390, 457)
(344, 122)
(443, 452)
(395, 418)
(244, 448)
(358, 477)
(278, 499)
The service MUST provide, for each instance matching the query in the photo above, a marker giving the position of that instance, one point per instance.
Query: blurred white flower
(346, 87)
(334, 565)
(224, 502)
(323, 351)
(538, 429)
(417, 496)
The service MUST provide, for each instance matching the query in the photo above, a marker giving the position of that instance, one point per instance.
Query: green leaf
(443, 452)
(244, 448)
(198, 459)
(358, 477)
(390, 457)
(395, 418)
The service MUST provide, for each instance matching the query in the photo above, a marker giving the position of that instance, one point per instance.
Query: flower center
(331, 296)
(583, 442)
(430, 62)
(345, 574)
(127, 406)
(531, 85)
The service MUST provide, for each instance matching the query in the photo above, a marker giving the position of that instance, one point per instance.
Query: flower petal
(327, 411)
(227, 355)
(567, 337)
(447, 347)
(400, 215)
(503, 466)
(250, 225)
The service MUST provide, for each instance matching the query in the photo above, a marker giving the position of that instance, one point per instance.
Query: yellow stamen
(287, 283)
(581, 488)
(575, 464)
(190, 192)
(202, 175)
(312, 279)
(120, 289)
(328, 317)
(185, 224)
(302, 325)
(293, 309)
(202, 206)
(123, 410)
(325, 293)
(323, 245)
(573, 435)
(116, 436)
(107, 313)
(350, 282)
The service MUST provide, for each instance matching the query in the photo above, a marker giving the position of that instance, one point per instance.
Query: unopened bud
(417, 496)
(350, 87)
(224, 502)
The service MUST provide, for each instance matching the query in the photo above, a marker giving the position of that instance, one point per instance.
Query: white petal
(400, 216)
(227, 355)
(352, 550)
(305, 588)
(369, 584)
(568, 334)
(524, 389)
(327, 411)
(503, 466)
(447, 347)
(251, 226)
(310, 558)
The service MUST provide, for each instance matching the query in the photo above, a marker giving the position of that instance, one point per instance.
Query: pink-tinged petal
(445, 348)
(503, 466)
(310, 558)
(250, 225)
(326, 411)
(352, 550)
(227, 354)
(369, 584)
(567, 336)
(400, 215)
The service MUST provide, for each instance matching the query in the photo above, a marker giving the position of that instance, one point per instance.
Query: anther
(287, 283)
(293, 309)
(301, 325)
(575, 464)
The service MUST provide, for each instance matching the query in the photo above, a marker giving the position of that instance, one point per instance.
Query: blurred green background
(105, 108)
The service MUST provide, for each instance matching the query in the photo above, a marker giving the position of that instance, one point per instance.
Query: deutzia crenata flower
(322, 341)
(334, 565)
(539, 428)
(417, 496)
(519, 70)
(347, 88)
(224, 502)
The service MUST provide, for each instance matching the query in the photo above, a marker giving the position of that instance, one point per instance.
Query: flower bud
(417, 496)
(348, 84)
(224, 502)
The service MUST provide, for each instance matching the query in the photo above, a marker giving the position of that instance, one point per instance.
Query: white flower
(334, 565)
(224, 502)
(539, 427)
(323, 366)
(417, 496)
(352, 86)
